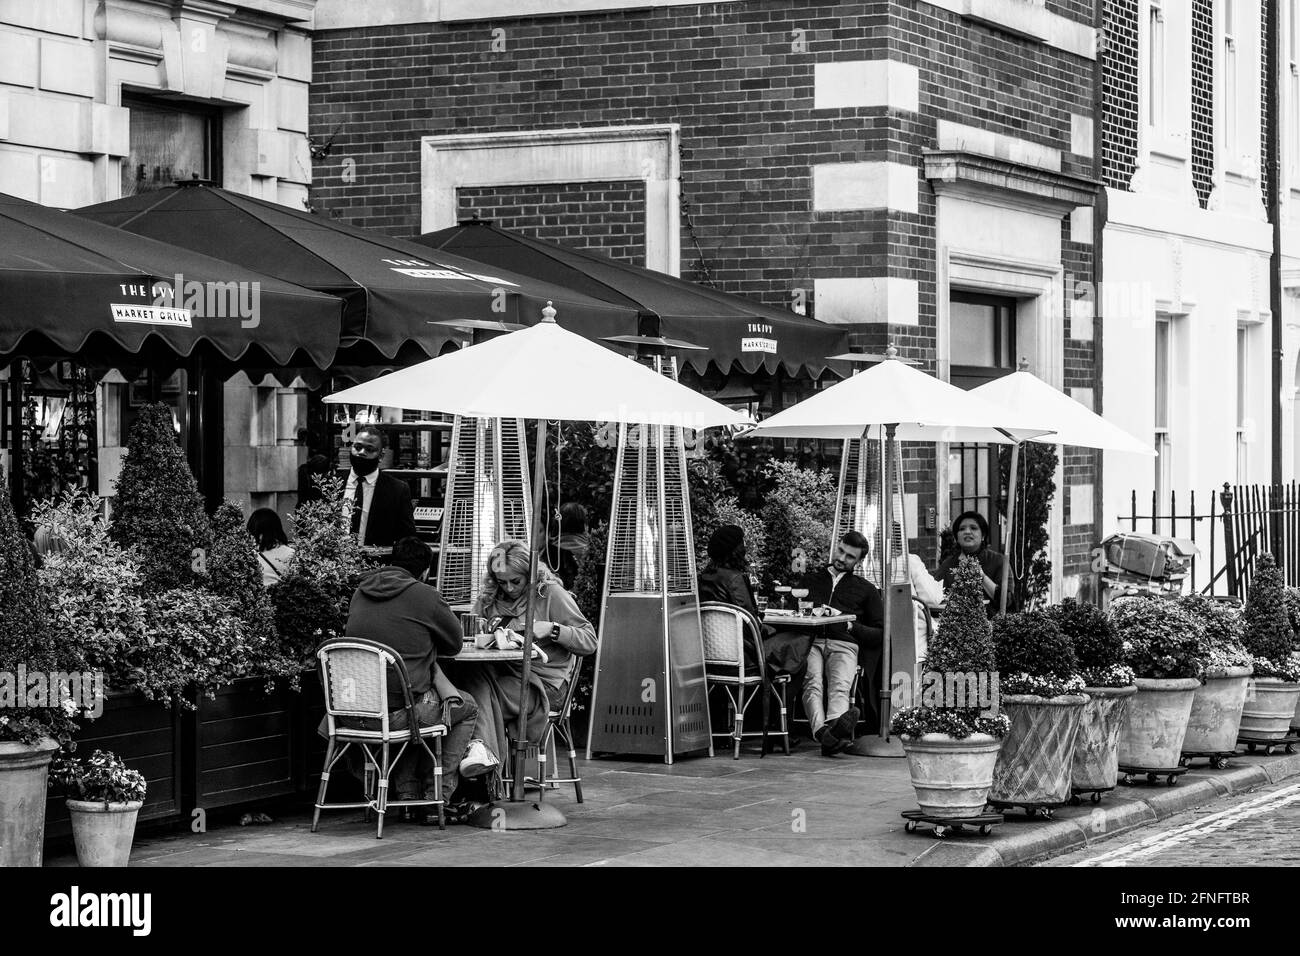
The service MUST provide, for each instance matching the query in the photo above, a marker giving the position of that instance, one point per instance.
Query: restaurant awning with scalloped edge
(394, 290)
(735, 330)
(71, 287)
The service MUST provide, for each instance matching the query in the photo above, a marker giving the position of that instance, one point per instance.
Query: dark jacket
(317, 466)
(991, 562)
(852, 595)
(411, 617)
(730, 587)
(392, 516)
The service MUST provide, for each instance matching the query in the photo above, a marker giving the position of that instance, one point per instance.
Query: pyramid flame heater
(489, 499)
(649, 695)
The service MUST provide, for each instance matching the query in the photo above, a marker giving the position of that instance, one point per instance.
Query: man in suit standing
(378, 506)
(838, 648)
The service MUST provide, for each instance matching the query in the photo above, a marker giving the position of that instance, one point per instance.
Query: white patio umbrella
(547, 373)
(1072, 423)
(907, 405)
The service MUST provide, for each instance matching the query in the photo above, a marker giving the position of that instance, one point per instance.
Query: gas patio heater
(488, 495)
(650, 695)
(893, 402)
(516, 375)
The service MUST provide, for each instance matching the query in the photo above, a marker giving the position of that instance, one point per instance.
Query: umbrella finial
(548, 313)
(890, 351)
(1023, 366)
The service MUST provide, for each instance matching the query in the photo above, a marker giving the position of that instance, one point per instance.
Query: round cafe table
(791, 619)
(489, 655)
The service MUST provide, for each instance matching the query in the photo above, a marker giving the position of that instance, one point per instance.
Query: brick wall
(1202, 99)
(1119, 120)
(608, 218)
(739, 79)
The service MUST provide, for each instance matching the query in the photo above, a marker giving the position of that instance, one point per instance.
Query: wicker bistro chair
(354, 673)
(557, 727)
(726, 629)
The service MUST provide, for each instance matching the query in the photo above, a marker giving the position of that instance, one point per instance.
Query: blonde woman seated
(559, 630)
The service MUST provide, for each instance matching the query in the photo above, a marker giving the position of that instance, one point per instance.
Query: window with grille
(1156, 65)
(1163, 403)
(1243, 376)
(1230, 110)
(982, 337)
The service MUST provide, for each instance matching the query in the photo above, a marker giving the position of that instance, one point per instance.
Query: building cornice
(1005, 183)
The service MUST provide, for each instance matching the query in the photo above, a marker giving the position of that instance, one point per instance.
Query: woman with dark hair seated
(726, 578)
(273, 549)
(971, 532)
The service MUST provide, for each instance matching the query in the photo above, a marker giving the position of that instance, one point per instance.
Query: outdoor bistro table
(791, 619)
(489, 655)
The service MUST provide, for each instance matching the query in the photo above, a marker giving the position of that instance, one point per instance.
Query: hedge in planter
(1217, 706)
(1270, 640)
(951, 752)
(158, 511)
(31, 727)
(1042, 697)
(1165, 646)
(1109, 686)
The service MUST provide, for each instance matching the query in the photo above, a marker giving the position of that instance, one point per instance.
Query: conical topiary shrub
(951, 751)
(1270, 641)
(158, 511)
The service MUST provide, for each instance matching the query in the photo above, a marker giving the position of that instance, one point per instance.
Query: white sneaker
(477, 761)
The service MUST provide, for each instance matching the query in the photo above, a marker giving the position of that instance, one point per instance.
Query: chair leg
(573, 760)
(381, 801)
(324, 784)
(785, 726)
(739, 732)
(766, 713)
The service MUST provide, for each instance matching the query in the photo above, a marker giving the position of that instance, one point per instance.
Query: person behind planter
(377, 505)
(726, 578)
(273, 551)
(394, 606)
(560, 631)
(971, 532)
(836, 650)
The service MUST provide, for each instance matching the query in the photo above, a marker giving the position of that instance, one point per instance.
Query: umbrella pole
(881, 745)
(1011, 518)
(516, 814)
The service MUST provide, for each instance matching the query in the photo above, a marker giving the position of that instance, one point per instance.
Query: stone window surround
(593, 154)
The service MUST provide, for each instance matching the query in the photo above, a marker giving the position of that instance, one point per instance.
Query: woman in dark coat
(971, 533)
(726, 577)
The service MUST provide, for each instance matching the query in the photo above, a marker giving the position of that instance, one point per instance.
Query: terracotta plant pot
(1216, 711)
(1095, 765)
(23, 773)
(1152, 737)
(103, 832)
(1269, 714)
(1034, 764)
(951, 777)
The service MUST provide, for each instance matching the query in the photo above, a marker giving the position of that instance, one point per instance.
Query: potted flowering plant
(1109, 684)
(107, 800)
(951, 750)
(1217, 705)
(1165, 647)
(1269, 639)
(1042, 695)
(35, 720)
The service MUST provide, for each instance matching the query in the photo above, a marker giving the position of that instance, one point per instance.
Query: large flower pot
(1034, 763)
(1216, 711)
(23, 772)
(1152, 737)
(951, 776)
(103, 832)
(1269, 712)
(1095, 765)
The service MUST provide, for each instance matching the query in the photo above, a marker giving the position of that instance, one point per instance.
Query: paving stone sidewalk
(800, 810)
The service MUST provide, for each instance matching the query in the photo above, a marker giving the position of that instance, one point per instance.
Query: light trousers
(832, 665)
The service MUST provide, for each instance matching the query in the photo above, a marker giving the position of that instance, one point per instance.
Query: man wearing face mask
(378, 506)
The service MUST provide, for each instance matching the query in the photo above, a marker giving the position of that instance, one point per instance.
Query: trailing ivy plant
(1031, 568)
(158, 512)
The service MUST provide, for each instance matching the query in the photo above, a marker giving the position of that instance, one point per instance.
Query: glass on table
(783, 595)
(805, 606)
(762, 605)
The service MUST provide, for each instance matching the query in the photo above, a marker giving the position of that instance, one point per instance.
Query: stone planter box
(1034, 765)
(951, 777)
(1270, 712)
(1152, 738)
(1216, 712)
(1095, 765)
